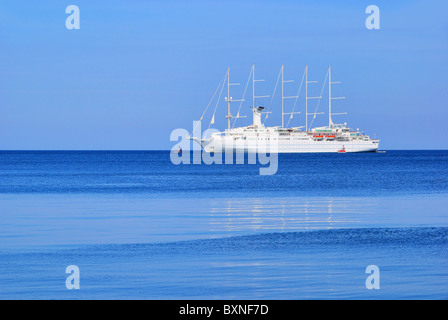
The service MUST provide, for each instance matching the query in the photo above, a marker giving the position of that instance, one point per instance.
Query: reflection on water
(56, 220)
(287, 214)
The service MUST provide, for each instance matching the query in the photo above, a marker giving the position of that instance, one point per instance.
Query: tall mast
(229, 99)
(229, 115)
(283, 109)
(253, 87)
(283, 97)
(330, 121)
(307, 98)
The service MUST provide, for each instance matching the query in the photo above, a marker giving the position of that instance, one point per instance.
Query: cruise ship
(333, 138)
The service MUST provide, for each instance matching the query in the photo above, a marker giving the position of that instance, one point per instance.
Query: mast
(283, 97)
(253, 87)
(229, 99)
(283, 109)
(330, 120)
(307, 98)
(229, 115)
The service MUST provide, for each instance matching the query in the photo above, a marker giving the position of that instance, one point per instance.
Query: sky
(137, 70)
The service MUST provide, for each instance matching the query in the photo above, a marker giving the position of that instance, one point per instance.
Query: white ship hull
(228, 144)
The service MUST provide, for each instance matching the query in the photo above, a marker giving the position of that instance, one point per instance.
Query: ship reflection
(286, 214)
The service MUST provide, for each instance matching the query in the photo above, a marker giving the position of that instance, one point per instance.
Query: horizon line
(164, 150)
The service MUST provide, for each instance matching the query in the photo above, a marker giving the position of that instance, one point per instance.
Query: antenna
(330, 121)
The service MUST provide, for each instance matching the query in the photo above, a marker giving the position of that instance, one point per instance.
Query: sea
(138, 226)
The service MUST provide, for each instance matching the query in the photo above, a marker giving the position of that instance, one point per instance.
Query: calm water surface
(141, 227)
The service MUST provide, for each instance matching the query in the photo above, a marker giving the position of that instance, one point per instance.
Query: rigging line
(242, 99)
(217, 102)
(297, 98)
(202, 117)
(318, 101)
(272, 98)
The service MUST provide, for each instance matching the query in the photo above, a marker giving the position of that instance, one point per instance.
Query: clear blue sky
(136, 70)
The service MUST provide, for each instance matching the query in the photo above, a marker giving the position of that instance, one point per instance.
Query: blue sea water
(140, 227)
